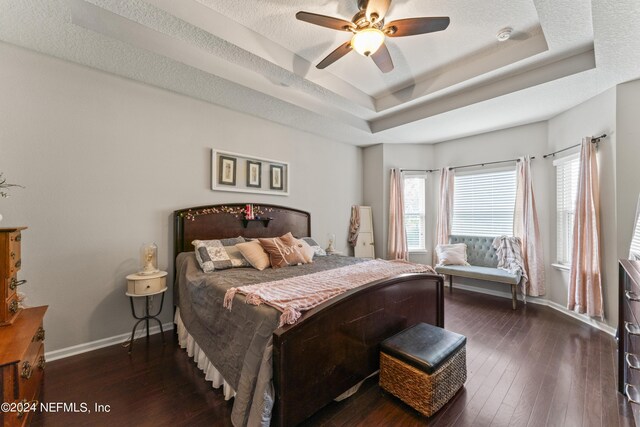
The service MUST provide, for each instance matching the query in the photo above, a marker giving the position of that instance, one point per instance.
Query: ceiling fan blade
(378, 8)
(325, 21)
(414, 26)
(341, 51)
(382, 58)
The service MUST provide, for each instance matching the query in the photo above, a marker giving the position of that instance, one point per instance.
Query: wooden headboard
(226, 221)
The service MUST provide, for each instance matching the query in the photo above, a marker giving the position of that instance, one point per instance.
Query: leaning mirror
(634, 251)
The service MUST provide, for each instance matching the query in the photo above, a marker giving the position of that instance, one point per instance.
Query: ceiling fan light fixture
(367, 41)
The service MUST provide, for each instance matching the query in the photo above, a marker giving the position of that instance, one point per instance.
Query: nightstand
(146, 286)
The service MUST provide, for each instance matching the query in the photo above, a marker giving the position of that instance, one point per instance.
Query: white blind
(635, 242)
(483, 203)
(567, 171)
(414, 207)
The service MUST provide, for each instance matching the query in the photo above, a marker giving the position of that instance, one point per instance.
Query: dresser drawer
(30, 370)
(12, 260)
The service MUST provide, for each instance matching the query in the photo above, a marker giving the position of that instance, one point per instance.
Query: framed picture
(277, 177)
(227, 170)
(247, 173)
(254, 174)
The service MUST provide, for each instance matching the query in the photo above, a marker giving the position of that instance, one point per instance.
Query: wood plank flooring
(529, 367)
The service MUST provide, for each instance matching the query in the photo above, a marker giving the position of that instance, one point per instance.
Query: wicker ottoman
(424, 366)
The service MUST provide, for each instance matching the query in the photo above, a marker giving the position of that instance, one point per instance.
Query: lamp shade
(366, 42)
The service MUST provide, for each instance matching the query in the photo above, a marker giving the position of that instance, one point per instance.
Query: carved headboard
(227, 220)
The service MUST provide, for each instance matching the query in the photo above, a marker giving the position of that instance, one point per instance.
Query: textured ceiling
(254, 56)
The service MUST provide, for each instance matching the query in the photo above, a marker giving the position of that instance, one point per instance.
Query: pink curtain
(445, 209)
(354, 226)
(585, 284)
(526, 227)
(397, 247)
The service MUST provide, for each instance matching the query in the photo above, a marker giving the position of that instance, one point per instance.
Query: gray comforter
(238, 342)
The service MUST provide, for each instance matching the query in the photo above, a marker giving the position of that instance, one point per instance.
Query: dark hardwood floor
(530, 367)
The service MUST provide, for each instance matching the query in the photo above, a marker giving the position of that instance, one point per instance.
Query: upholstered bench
(424, 366)
(484, 264)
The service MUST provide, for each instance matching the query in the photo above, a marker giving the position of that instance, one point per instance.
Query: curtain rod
(487, 163)
(593, 140)
(420, 170)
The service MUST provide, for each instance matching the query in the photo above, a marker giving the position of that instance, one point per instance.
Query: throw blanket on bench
(301, 293)
(509, 253)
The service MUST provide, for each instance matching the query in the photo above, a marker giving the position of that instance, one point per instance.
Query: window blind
(567, 171)
(483, 203)
(635, 242)
(414, 208)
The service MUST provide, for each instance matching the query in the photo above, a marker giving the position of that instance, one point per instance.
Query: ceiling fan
(369, 31)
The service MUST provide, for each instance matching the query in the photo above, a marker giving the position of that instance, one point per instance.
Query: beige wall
(106, 160)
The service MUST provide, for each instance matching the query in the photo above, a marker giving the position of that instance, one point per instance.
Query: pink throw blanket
(301, 293)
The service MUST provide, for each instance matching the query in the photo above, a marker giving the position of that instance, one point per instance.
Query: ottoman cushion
(424, 346)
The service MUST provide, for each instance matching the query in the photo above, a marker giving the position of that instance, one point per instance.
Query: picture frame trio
(242, 173)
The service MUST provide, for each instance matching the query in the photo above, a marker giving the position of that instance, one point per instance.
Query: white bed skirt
(187, 342)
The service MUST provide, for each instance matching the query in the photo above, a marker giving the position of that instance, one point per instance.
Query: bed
(300, 367)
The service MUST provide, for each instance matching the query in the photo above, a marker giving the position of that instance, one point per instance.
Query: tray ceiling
(254, 56)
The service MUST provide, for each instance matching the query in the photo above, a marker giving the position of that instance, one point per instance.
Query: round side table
(146, 315)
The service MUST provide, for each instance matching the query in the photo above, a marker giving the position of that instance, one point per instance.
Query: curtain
(354, 225)
(526, 227)
(585, 284)
(397, 246)
(445, 211)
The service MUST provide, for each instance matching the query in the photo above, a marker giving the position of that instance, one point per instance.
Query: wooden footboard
(336, 345)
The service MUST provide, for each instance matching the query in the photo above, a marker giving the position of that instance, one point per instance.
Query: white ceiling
(254, 56)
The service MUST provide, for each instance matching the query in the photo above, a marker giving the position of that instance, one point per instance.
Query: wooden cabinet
(629, 334)
(10, 264)
(22, 364)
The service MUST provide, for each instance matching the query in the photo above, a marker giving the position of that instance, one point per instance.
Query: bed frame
(335, 345)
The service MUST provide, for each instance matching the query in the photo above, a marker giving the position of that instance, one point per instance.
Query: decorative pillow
(316, 247)
(214, 255)
(307, 251)
(455, 254)
(283, 251)
(255, 254)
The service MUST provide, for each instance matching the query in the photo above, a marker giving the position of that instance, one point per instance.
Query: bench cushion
(424, 346)
(481, 273)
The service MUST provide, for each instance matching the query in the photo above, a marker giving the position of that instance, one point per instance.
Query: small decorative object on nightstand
(149, 259)
(332, 239)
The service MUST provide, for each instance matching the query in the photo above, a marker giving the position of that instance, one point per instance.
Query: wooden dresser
(21, 337)
(629, 334)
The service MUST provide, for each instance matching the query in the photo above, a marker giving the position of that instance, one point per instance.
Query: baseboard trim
(541, 301)
(95, 345)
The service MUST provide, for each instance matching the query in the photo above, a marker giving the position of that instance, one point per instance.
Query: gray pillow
(214, 255)
(317, 250)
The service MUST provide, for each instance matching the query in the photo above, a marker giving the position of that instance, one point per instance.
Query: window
(414, 206)
(635, 242)
(567, 170)
(483, 203)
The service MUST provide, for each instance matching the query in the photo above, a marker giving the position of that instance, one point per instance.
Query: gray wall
(627, 161)
(106, 160)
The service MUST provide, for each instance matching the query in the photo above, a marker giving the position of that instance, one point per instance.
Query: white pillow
(455, 254)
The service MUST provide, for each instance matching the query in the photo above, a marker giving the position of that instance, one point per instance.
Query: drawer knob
(15, 283)
(632, 394)
(18, 237)
(39, 335)
(41, 363)
(18, 263)
(632, 296)
(27, 370)
(631, 328)
(632, 361)
(13, 307)
(23, 405)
